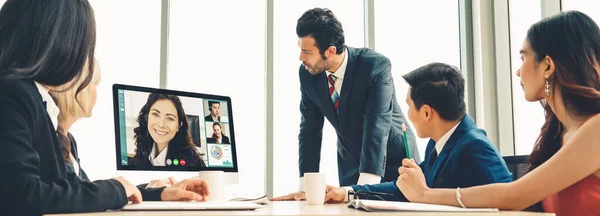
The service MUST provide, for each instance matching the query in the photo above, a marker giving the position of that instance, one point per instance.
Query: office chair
(194, 126)
(517, 165)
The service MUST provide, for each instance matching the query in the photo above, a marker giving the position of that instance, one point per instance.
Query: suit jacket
(224, 140)
(209, 118)
(148, 194)
(468, 159)
(368, 122)
(35, 179)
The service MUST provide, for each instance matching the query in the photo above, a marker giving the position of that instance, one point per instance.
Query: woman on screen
(163, 134)
(218, 137)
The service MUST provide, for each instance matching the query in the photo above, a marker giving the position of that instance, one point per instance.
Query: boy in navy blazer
(458, 154)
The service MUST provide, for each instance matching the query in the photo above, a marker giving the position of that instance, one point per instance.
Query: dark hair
(572, 40)
(210, 103)
(321, 24)
(47, 41)
(217, 124)
(440, 86)
(144, 142)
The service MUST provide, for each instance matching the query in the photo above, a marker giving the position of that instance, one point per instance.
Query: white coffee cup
(314, 187)
(216, 184)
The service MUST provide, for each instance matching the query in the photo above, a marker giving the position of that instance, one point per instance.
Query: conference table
(300, 208)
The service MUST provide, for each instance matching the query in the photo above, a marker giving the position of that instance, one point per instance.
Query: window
(588, 7)
(287, 87)
(407, 34)
(528, 117)
(128, 50)
(218, 47)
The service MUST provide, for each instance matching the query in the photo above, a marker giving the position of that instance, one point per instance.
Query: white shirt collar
(439, 145)
(342, 69)
(75, 165)
(51, 107)
(159, 160)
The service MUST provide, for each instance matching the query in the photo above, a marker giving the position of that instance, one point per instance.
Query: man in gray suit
(353, 88)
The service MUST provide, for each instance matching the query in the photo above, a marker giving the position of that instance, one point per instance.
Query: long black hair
(182, 142)
(47, 41)
(572, 40)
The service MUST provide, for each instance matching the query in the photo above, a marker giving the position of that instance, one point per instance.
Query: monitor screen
(159, 129)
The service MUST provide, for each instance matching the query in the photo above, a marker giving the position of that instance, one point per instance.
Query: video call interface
(175, 132)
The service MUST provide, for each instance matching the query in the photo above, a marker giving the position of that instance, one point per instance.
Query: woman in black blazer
(218, 136)
(45, 46)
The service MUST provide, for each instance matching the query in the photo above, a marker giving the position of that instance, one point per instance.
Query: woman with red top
(560, 67)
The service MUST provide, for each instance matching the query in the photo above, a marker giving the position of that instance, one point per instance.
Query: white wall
(589, 7)
(128, 50)
(217, 47)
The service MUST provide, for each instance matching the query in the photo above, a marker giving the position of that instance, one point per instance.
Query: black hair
(440, 86)
(321, 24)
(47, 41)
(210, 103)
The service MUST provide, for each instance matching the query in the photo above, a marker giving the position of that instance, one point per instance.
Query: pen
(405, 141)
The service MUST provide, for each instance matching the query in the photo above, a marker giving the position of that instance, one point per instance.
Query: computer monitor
(161, 133)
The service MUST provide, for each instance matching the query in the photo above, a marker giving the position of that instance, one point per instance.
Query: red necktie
(332, 92)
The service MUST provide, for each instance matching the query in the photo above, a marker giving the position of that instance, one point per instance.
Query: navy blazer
(367, 122)
(468, 159)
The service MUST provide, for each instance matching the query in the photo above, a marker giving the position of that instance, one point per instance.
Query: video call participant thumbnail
(218, 136)
(214, 108)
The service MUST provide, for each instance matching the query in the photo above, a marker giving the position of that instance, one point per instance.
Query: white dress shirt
(75, 165)
(439, 145)
(339, 74)
(160, 159)
(363, 178)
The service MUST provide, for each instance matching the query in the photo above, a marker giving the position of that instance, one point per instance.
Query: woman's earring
(547, 87)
